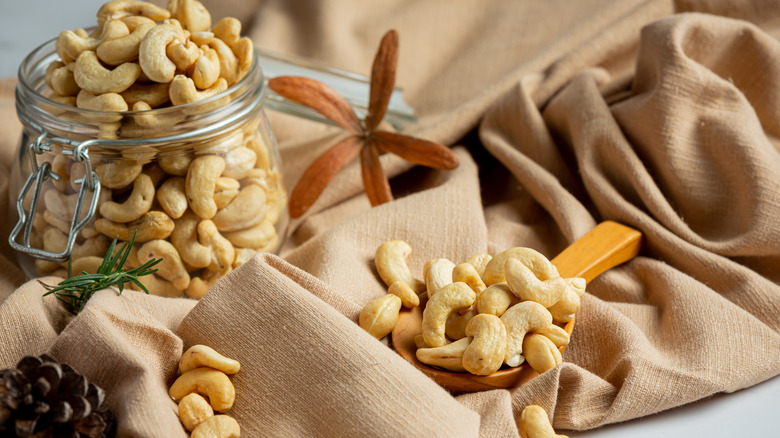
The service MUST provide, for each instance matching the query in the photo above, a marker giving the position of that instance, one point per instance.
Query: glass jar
(199, 184)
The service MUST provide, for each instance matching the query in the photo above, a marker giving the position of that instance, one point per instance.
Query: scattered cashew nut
(193, 410)
(408, 296)
(449, 356)
(390, 261)
(218, 426)
(535, 424)
(203, 356)
(380, 316)
(206, 381)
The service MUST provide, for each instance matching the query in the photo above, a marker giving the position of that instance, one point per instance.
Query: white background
(753, 412)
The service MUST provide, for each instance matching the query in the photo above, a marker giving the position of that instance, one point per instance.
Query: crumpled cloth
(664, 116)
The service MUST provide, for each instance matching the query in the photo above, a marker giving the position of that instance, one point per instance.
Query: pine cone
(43, 398)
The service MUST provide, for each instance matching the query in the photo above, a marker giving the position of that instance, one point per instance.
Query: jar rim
(46, 49)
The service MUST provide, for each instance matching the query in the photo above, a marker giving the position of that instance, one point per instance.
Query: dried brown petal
(319, 174)
(382, 79)
(416, 150)
(374, 179)
(319, 97)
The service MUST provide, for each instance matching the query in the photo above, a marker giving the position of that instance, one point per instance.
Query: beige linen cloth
(661, 115)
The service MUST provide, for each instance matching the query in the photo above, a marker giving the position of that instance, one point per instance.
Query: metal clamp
(38, 175)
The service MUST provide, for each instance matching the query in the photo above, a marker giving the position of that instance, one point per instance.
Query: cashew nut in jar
(151, 225)
(152, 57)
(118, 9)
(138, 203)
(185, 239)
(222, 251)
(380, 316)
(183, 90)
(118, 174)
(90, 75)
(171, 267)
(532, 259)
(228, 29)
(191, 13)
(448, 299)
(244, 211)
(257, 236)
(124, 49)
(206, 381)
(172, 198)
(201, 182)
(520, 319)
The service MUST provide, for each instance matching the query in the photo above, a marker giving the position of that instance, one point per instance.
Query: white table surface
(752, 412)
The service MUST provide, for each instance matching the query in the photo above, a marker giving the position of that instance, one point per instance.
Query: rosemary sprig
(77, 290)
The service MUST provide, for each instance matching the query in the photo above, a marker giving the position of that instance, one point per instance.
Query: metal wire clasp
(38, 175)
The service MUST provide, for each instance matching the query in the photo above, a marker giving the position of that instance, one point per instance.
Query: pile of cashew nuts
(482, 314)
(143, 56)
(204, 372)
(204, 210)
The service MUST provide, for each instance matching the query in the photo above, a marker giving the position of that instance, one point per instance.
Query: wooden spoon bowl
(606, 246)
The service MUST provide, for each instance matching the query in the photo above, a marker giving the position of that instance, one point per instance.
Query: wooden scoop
(604, 247)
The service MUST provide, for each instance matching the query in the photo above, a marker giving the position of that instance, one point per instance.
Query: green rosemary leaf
(75, 291)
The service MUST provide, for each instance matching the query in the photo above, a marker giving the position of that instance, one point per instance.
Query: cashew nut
(227, 29)
(496, 299)
(71, 44)
(540, 352)
(154, 95)
(523, 283)
(222, 251)
(480, 261)
(89, 264)
(243, 211)
(205, 72)
(118, 9)
(228, 63)
(556, 334)
(138, 203)
(151, 53)
(172, 198)
(183, 91)
(261, 151)
(171, 267)
(569, 303)
(407, 295)
(193, 410)
(532, 259)
(201, 182)
(191, 13)
(449, 357)
(222, 145)
(95, 246)
(455, 327)
(54, 240)
(390, 261)
(61, 80)
(151, 225)
(380, 316)
(239, 162)
(118, 174)
(255, 237)
(487, 350)
(109, 102)
(244, 50)
(243, 256)
(535, 424)
(201, 38)
(90, 75)
(203, 356)
(467, 273)
(59, 165)
(183, 54)
(134, 21)
(175, 164)
(438, 274)
(218, 426)
(520, 319)
(200, 285)
(125, 49)
(185, 238)
(448, 299)
(206, 381)
(225, 191)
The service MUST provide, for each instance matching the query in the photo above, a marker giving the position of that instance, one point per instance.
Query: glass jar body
(199, 185)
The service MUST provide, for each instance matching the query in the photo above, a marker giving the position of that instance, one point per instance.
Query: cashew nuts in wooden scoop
(606, 246)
